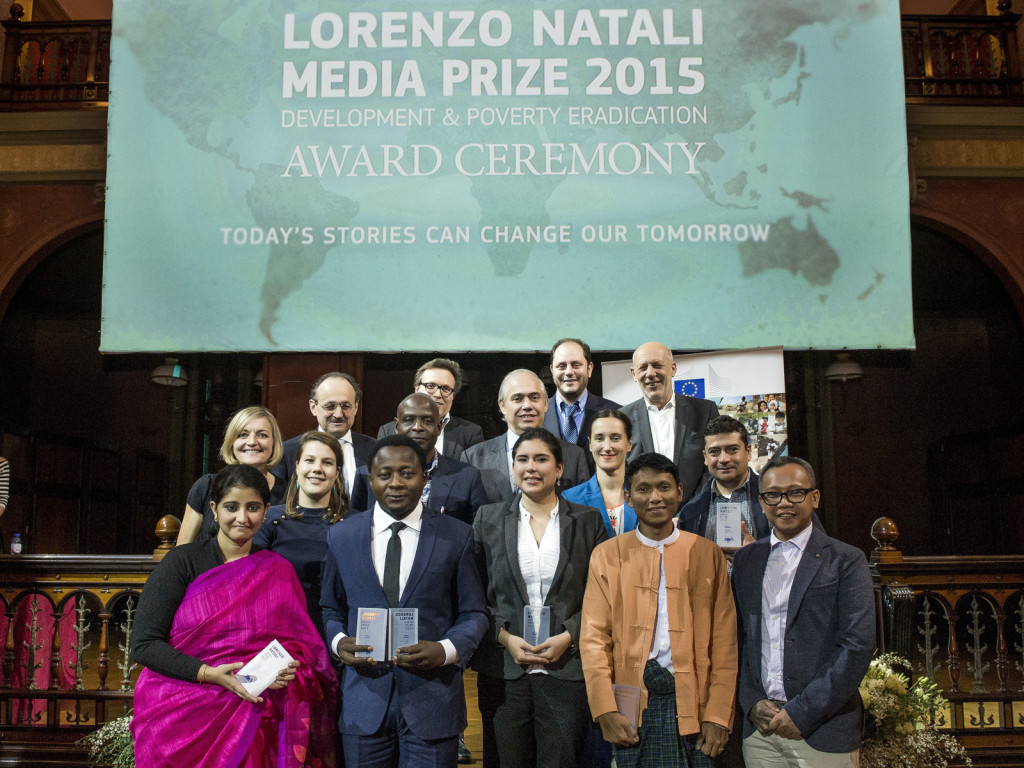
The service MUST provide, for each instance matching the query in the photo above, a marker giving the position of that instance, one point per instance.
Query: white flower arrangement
(901, 720)
(111, 745)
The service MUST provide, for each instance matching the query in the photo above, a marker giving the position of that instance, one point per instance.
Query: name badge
(727, 525)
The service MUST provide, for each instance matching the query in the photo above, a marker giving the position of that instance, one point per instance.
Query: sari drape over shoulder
(229, 614)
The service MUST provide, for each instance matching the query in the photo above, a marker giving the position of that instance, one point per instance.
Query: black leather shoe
(465, 756)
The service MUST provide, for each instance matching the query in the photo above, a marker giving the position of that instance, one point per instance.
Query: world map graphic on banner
(306, 176)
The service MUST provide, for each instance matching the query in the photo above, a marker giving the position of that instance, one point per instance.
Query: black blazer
(553, 424)
(691, 416)
(361, 445)
(496, 536)
(459, 435)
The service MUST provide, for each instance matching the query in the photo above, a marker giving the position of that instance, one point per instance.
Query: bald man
(453, 488)
(665, 422)
(523, 402)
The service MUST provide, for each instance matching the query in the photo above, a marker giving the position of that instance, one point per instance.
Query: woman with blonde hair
(252, 437)
(316, 500)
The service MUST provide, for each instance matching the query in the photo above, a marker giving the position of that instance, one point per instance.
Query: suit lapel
(682, 417)
(510, 523)
(424, 548)
(755, 588)
(566, 529)
(441, 483)
(365, 545)
(810, 564)
(643, 423)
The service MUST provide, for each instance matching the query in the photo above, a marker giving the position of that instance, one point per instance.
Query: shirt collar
(741, 487)
(510, 440)
(346, 439)
(382, 520)
(800, 540)
(524, 515)
(669, 406)
(670, 539)
(445, 420)
(563, 403)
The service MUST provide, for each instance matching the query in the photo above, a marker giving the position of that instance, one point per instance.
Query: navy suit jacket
(444, 585)
(455, 487)
(692, 415)
(694, 515)
(553, 424)
(830, 636)
(589, 494)
(361, 445)
(459, 434)
(491, 459)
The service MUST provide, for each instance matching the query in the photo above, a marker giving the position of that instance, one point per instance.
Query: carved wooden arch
(39, 219)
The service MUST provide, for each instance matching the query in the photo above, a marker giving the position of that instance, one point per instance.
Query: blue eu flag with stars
(690, 387)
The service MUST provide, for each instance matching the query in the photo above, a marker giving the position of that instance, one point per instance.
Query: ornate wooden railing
(962, 59)
(946, 59)
(960, 621)
(66, 669)
(54, 65)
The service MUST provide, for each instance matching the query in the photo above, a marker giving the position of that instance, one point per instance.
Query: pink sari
(229, 614)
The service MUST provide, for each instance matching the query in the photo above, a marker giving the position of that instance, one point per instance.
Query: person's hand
(285, 676)
(616, 730)
(224, 676)
(520, 650)
(783, 725)
(347, 650)
(553, 648)
(425, 654)
(745, 537)
(762, 714)
(712, 739)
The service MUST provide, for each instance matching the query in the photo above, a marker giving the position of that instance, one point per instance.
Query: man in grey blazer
(569, 415)
(667, 423)
(441, 379)
(806, 626)
(523, 402)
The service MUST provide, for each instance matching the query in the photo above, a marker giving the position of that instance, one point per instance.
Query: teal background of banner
(805, 135)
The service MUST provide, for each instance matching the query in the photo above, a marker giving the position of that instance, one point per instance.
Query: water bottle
(16, 544)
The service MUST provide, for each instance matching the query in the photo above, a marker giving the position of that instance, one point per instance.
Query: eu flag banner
(690, 387)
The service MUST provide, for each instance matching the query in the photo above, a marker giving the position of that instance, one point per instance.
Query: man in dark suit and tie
(806, 625)
(667, 423)
(574, 406)
(334, 403)
(523, 402)
(453, 487)
(410, 709)
(442, 379)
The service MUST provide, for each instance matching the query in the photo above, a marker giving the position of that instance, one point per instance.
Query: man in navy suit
(453, 487)
(806, 625)
(442, 379)
(334, 402)
(667, 423)
(733, 485)
(569, 416)
(410, 709)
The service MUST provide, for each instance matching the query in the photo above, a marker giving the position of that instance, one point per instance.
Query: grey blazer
(692, 415)
(491, 459)
(496, 537)
(830, 636)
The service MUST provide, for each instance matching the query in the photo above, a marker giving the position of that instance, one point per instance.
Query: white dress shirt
(538, 561)
(510, 440)
(663, 428)
(661, 648)
(778, 583)
(439, 445)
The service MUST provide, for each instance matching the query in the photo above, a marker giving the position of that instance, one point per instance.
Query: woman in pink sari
(208, 608)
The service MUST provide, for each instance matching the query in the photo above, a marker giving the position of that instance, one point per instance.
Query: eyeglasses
(432, 388)
(332, 407)
(793, 496)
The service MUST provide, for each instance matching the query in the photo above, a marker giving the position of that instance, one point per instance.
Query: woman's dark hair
(613, 413)
(539, 433)
(239, 476)
(337, 506)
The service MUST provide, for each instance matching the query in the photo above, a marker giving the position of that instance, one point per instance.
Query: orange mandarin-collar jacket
(620, 607)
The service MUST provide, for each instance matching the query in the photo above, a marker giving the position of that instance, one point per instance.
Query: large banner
(457, 175)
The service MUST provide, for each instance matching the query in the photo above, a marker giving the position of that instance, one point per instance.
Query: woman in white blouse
(534, 552)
